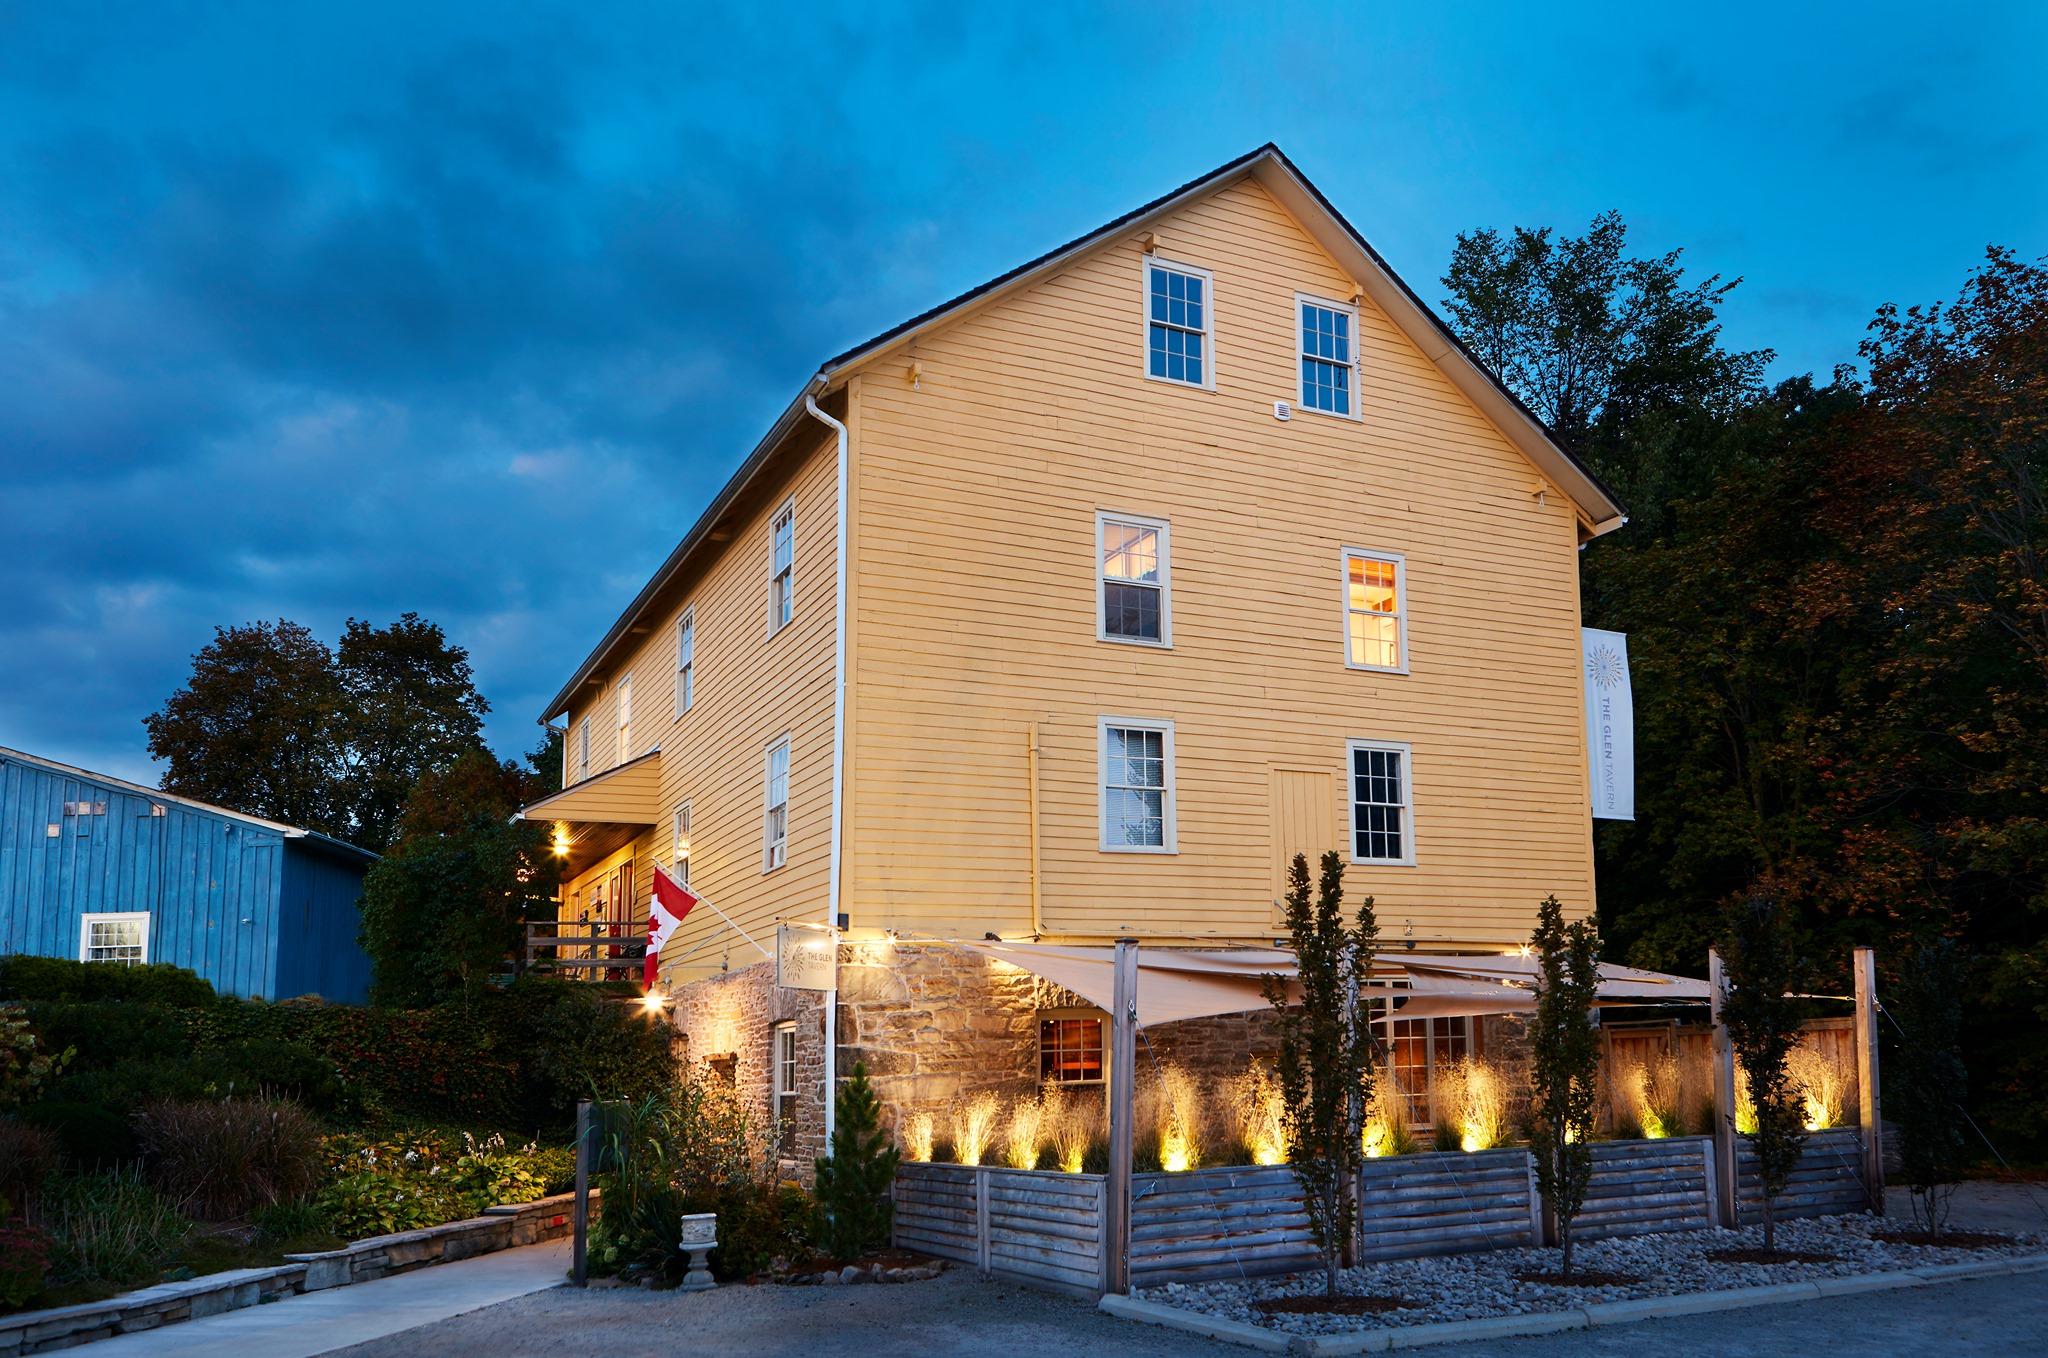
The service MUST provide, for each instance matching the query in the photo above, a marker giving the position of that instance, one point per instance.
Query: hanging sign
(805, 958)
(1610, 724)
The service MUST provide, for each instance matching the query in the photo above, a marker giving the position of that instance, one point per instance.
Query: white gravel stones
(1470, 1286)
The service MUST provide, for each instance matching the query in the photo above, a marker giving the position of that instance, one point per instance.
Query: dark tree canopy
(410, 707)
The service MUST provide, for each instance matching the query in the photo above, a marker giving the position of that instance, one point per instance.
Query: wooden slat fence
(1829, 1179)
(1446, 1202)
(1035, 1226)
(1644, 1186)
(1206, 1224)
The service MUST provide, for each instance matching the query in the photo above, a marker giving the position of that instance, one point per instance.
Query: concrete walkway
(321, 1322)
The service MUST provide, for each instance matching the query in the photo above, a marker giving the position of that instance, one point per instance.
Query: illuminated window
(1419, 1053)
(1379, 804)
(1133, 580)
(1137, 786)
(782, 577)
(682, 844)
(1177, 323)
(122, 938)
(686, 660)
(1069, 1050)
(1374, 604)
(1329, 366)
(775, 828)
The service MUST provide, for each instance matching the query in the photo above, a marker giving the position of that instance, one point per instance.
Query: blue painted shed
(95, 868)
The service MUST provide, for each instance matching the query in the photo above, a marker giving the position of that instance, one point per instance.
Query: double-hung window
(782, 1057)
(686, 660)
(625, 748)
(1133, 580)
(582, 749)
(1374, 611)
(782, 569)
(1380, 804)
(775, 820)
(1329, 356)
(1137, 785)
(682, 844)
(122, 938)
(1177, 323)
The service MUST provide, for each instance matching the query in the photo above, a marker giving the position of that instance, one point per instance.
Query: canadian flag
(671, 902)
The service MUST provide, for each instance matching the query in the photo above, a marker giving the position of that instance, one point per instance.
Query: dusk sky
(347, 310)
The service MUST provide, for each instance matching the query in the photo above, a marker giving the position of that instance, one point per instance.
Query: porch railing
(600, 950)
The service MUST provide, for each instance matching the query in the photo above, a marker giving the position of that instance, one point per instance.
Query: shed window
(1070, 1050)
(1133, 580)
(1379, 804)
(1177, 323)
(782, 576)
(1328, 366)
(122, 938)
(1373, 607)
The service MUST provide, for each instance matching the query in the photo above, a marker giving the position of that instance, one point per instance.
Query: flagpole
(702, 899)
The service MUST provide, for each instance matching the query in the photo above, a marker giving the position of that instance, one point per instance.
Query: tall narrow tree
(1564, 1063)
(1325, 1063)
(854, 1209)
(1762, 1018)
(1927, 1082)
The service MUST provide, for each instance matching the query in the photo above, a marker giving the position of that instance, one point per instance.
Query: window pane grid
(782, 591)
(1070, 1050)
(1378, 805)
(686, 661)
(1325, 359)
(1372, 612)
(1133, 591)
(1136, 787)
(776, 829)
(1178, 326)
(114, 940)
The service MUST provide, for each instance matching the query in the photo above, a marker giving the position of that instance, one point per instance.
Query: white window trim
(1105, 517)
(583, 750)
(1169, 830)
(85, 923)
(775, 622)
(1407, 753)
(1400, 565)
(1356, 414)
(769, 862)
(781, 1085)
(681, 832)
(1147, 262)
(622, 703)
(684, 694)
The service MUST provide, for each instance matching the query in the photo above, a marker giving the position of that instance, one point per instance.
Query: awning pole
(1123, 1083)
(1870, 1107)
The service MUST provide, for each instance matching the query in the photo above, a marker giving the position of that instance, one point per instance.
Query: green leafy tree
(1927, 1083)
(545, 762)
(1325, 1063)
(854, 1208)
(444, 907)
(1762, 1019)
(1564, 1063)
(409, 706)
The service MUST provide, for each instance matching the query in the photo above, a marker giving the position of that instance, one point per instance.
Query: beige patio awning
(1185, 983)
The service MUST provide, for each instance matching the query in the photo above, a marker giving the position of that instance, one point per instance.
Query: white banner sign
(1610, 724)
(804, 958)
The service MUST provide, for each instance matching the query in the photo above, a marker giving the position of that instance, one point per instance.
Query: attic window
(1177, 323)
(1329, 356)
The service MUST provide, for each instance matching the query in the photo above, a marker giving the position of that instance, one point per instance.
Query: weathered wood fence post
(579, 1257)
(1870, 1105)
(1123, 1085)
(1726, 1177)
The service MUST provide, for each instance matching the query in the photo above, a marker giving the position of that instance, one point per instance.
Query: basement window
(1069, 1048)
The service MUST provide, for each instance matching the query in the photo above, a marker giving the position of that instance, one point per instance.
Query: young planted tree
(854, 1209)
(1564, 1063)
(1927, 1082)
(1326, 1052)
(1762, 1020)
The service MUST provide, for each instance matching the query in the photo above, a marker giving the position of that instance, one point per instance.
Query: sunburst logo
(1605, 667)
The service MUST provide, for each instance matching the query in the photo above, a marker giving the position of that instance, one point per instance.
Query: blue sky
(345, 310)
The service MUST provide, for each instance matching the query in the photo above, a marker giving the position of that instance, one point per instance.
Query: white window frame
(774, 846)
(1407, 753)
(1208, 331)
(686, 661)
(85, 923)
(782, 1075)
(782, 583)
(1105, 517)
(622, 702)
(1400, 564)
(680, 863)
(1168, 830)
(1301, 353)
(583, 750)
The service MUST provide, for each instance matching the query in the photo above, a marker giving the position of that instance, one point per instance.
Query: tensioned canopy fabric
(1185, 983)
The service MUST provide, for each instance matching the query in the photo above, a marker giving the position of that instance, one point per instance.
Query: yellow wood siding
(974, 611)
(750, 688)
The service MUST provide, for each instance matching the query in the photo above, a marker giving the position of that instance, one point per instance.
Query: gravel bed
(1470, 1286)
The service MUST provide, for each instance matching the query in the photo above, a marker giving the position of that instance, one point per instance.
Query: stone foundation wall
(731, 1018)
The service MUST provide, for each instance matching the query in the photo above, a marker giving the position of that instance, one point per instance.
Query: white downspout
(838, 780)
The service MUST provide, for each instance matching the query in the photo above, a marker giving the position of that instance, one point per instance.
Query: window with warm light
(782, 570)
(1374, 609)
(775, 826)
(681, 871)
(1329, 367)
(1379, 800)
(122, 938)
(1419, 1053)
(1069, 1049)
(1137, 786)
(1177, 323)
(1133, 581)
(686, 660)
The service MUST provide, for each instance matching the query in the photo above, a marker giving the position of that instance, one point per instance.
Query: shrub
(26, 1064)
(283, 1222)
(110, 1228)
(56, 978)
(854, 1181)
(28, 1155)
(407, 1182)
(221, 1159)
(24, 1261)
(90, 1137)
(686, 1148)
(591, 1047)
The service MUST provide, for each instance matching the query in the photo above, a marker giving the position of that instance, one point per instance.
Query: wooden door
(1304, 809)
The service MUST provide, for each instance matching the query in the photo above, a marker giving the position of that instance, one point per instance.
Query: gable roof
(1599, 509)
(312, 839)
